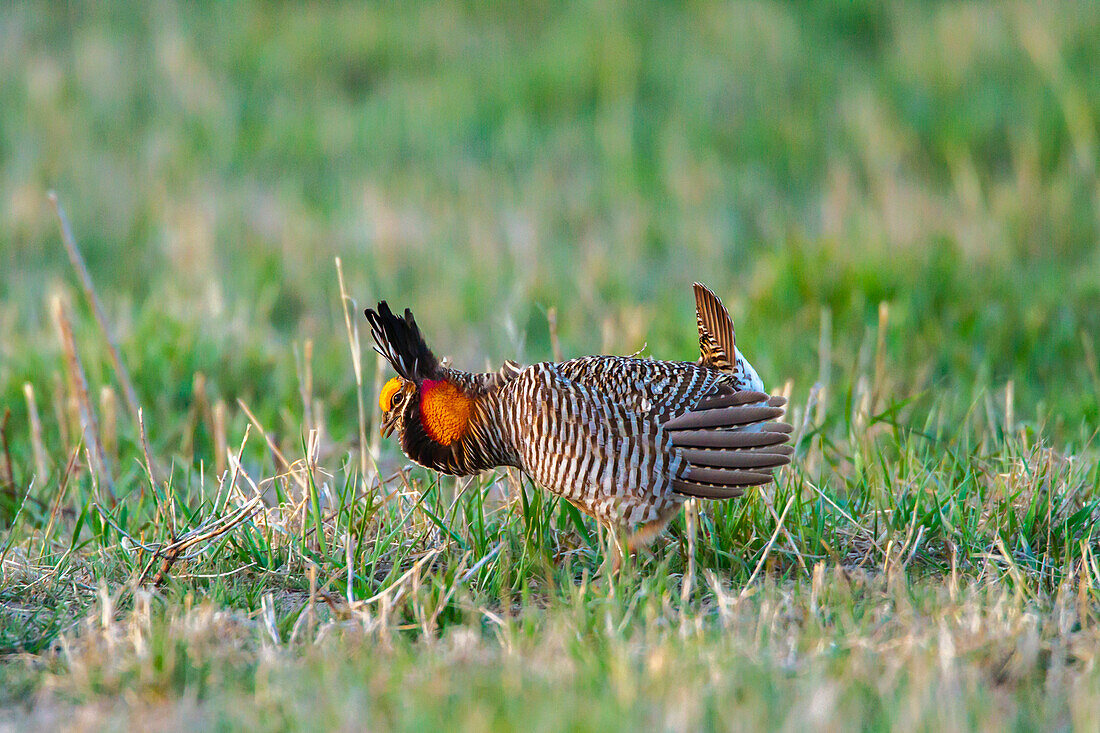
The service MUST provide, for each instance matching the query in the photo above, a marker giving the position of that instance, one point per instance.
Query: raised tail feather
(730, 442)
(717, 345)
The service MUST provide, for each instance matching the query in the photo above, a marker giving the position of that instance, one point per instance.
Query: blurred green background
(482, 162)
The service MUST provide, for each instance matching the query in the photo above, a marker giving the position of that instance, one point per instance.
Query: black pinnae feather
(400, 341)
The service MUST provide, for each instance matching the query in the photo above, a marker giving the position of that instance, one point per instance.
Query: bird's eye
(397, 397)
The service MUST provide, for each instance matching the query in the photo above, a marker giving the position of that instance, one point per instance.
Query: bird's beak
(389, 422)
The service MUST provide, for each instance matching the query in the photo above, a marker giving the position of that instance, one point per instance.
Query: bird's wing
(671, 426)
(582, 444)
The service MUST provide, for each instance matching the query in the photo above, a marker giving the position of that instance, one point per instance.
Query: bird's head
(429, 412)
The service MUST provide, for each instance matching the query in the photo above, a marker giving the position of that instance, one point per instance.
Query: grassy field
(900, 204)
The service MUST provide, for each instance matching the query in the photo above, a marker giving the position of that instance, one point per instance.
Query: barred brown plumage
(624, 439)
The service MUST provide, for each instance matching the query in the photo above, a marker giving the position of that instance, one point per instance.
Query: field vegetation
(199, 526)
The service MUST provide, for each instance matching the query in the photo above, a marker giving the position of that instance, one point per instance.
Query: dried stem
(768, 547)
(77, 261)
(691, 519)
(202, 407)
(607, 329)
(555, 343)
(221, 442)
(879, 386)
(1091, 361)
(78, 388)
(9, 473)
(209, 530)
(148, 461)
(786, 534)
(357, 366)
(283, 464)
(37, 444)
(61, 410)
(376, 410)
(305, 383)
(824, 362)
(108, 406)
(14, 521)
(204, 533)
(62, 488)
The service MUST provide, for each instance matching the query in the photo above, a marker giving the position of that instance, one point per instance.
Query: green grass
(898, 203)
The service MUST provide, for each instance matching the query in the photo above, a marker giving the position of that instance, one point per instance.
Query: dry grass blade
(108, 423)
(691, 520)
(77, 261)
(824, 363)
(879, 386)
(9, 473)
(62, 488)
(35, 421)
(15, 523)
(61, 412)
(285, 466)
(481, 563)
(78, 388)
(766, 496)
(767, 548)
(221, 441)
(153, 483)
(847, 516)
(357, 365)
(267, 614)
(210, 530)
(376, 411)
(552, 322)
(205, 533)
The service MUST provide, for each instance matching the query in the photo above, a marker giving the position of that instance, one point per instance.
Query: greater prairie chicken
(625, 440)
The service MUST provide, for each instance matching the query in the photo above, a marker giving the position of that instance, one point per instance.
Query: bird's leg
(618, 544)
(648, 531)
(613, 546)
